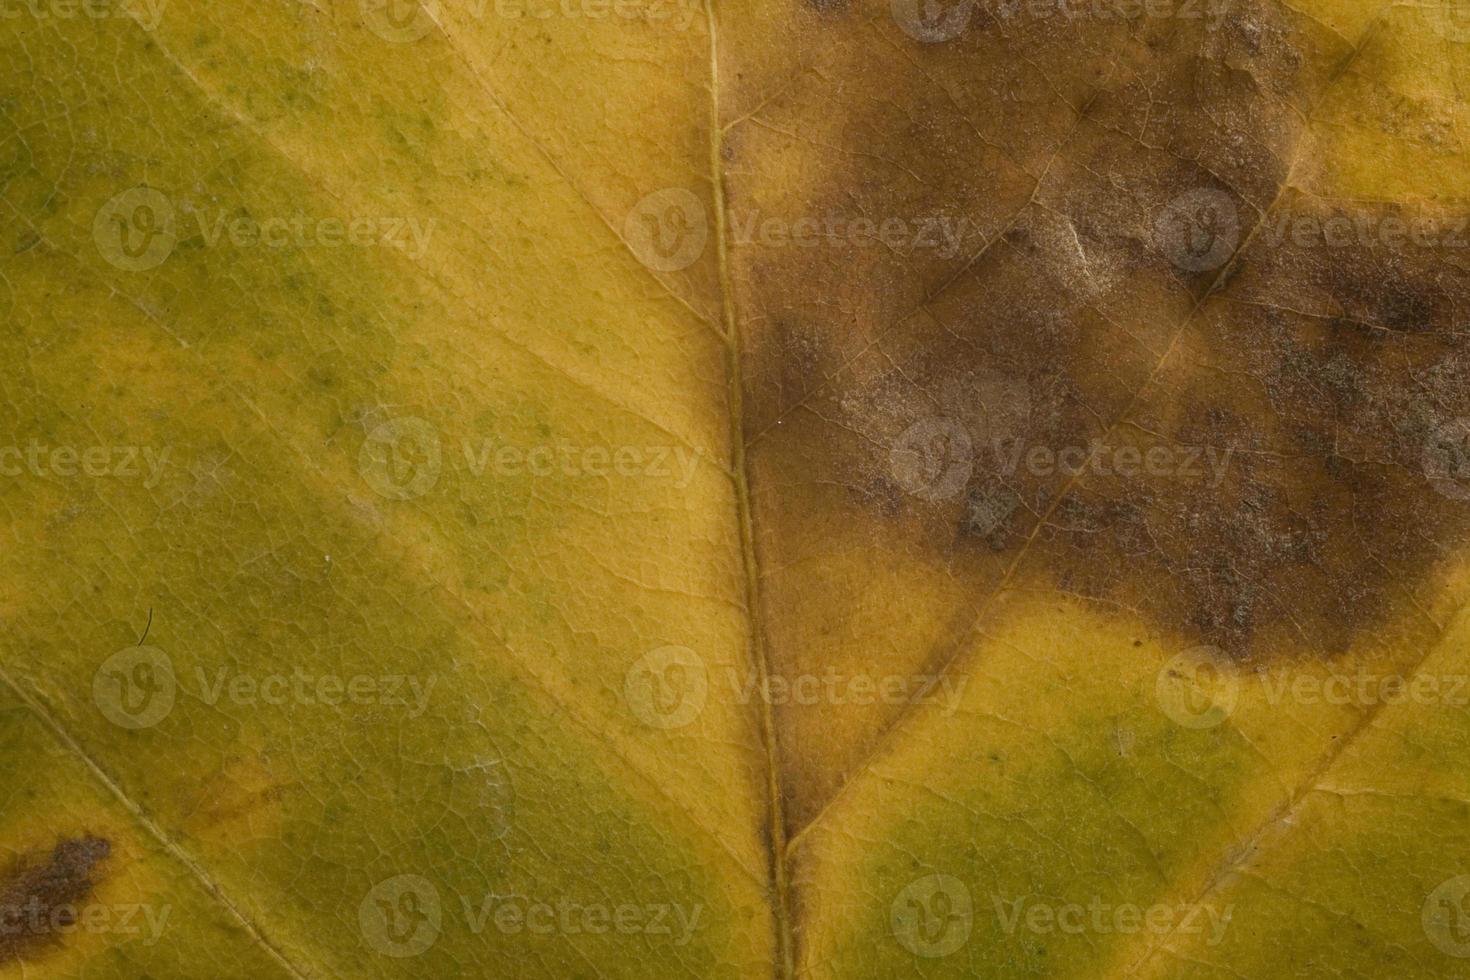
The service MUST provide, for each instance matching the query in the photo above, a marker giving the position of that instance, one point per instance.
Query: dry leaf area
(776, 489)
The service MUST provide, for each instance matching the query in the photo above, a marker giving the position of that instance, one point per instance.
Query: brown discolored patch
(41, 894)
(1332, 376)
(907, 163)
(1142, 284)
(1285, 390)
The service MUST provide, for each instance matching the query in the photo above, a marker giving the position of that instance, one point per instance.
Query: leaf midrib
(784, 967)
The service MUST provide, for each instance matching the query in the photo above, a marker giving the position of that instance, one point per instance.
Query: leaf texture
(807, 488)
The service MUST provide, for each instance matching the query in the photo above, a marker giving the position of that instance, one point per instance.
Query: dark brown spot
(1289, 391)
(41, 895)
(1304, 398)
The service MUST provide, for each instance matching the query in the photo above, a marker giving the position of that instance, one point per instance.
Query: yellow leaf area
(822, 488)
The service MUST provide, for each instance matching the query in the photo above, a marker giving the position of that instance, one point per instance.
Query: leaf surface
(813, 489)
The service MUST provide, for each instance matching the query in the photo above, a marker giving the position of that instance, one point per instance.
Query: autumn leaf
(819, 488)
